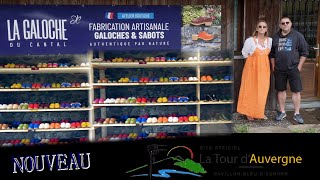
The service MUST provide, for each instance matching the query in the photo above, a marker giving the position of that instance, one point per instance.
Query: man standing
(288, 53)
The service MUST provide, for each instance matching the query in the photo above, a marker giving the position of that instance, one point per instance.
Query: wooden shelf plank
(45, 89)
(44, 70)
(163, 104)
(46, 130)
(13, 131)
(102, 65)
(100, 85)
(44, 110)
(218, 102)
(112, 125)
(170, 124)
(146, 104)
(62, 129)
(166, 124)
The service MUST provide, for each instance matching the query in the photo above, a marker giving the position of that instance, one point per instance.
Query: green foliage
(191, 12)
(241, 128)
(309, 130)
(191, 166)
(214, 12)
(217, 21)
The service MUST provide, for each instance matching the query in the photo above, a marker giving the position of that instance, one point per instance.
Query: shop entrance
(305, 19)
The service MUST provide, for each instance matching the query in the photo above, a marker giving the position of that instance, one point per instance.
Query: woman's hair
(255, 32)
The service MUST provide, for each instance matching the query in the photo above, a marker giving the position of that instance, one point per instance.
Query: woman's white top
(250, 46)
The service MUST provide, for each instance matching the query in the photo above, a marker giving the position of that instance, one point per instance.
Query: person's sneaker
(281, 116)
(298, 118)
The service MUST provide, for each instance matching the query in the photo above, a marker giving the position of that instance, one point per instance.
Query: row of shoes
(138, 100)
(147, 59)
(144, 135)
(164, 119)
(16, 125)
(45, 85)
(147, 119)
(209, 78)
(149, 80)
(214, 58)
(45, 65)
(204, 78)
(217, 98)
(134, 136)
(25, 106)
(219, 116)
(162, 59)
(56, 65)
(38, 141)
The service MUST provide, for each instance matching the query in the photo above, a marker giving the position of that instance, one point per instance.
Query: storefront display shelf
(100, 71)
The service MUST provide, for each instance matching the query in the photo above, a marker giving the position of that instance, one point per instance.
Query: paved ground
(311, 117)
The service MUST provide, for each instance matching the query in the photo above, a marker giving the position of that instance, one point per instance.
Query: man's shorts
(281, 79)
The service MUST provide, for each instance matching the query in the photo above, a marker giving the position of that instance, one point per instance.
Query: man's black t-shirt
(287, 50)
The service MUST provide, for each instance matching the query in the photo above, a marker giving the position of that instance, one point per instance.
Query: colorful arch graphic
(185, 147)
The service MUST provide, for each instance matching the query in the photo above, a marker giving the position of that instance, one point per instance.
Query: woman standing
(255, 80)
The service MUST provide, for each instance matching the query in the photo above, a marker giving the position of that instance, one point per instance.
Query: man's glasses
(262, 27)
(283, 23)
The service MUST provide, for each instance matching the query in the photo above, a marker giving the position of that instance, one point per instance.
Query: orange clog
(202, 35)
(204, 78)
(209, 78)
(165, 119)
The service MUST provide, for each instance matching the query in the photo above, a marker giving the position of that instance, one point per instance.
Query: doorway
(305, 19)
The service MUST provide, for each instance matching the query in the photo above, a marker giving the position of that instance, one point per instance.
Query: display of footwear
(207, 21)
(203, 78)
(56, 105)
(194, 99)
(202, 35)
(124, 96)
(164, 99)
(15, 106)
(209, 97)
(209, 78)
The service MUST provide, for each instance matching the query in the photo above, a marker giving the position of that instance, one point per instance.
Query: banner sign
(135, 28)
(77, 29)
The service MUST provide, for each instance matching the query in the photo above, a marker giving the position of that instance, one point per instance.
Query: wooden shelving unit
(198, 65)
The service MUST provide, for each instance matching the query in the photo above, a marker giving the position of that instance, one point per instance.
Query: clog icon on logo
(109, 15)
